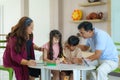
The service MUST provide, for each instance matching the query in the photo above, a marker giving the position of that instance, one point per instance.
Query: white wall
(12, 13)
(54, 14)
(115, 11)
(69, 6)
(39, 11)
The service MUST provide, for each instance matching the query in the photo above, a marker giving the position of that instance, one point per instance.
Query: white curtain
(1, 15)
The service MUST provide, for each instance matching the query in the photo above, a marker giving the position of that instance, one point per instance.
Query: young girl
(53, 51)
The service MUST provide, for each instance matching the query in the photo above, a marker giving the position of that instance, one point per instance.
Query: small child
(53, 51)
(71, 51)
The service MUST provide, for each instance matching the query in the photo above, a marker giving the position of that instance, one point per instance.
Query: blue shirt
(102, 41)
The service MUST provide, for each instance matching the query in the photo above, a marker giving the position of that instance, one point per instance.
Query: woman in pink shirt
(53, 51)
(19, 52)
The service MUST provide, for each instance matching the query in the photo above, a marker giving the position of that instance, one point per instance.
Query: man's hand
(95, 56)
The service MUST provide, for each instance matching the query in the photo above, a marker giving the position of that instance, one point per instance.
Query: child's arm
(77, 60)
(45, 57)
(68, 61)
(65, 56)
(78, 57)
(78, 53)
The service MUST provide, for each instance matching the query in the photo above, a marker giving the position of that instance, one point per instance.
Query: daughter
(53, 51)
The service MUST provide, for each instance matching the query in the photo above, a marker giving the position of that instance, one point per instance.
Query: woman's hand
(31, 63)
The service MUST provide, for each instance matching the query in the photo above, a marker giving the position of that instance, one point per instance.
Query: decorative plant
(77, 15)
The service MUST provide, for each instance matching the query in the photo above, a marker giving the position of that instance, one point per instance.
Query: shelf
(3, 34)
(93, 21)
(92, 4)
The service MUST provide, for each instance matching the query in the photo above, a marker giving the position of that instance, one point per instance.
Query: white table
(79, 71)
(43, 71)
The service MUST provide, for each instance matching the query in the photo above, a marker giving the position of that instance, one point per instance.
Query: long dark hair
(19, 32)
(56, 34)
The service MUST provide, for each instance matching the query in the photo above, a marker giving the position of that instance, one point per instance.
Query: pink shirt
(55, 49)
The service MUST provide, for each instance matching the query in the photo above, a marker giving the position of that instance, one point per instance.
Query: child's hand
(69, 62)
(57, 61)
(62, 60)
(65, 62)
(77, 60)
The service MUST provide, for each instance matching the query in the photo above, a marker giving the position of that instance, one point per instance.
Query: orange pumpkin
(77, 15)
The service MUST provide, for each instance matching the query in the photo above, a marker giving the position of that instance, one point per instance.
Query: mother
(19, 52)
